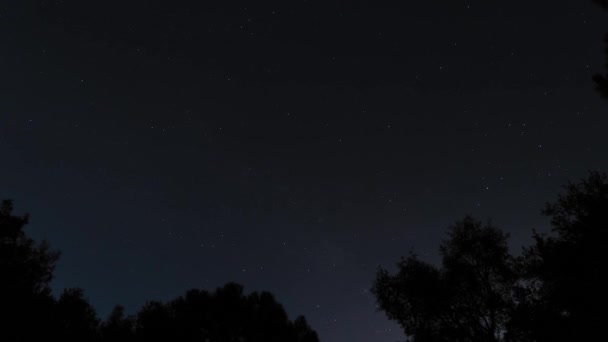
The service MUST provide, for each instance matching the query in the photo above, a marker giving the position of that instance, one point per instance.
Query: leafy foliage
(567, 266)
(224, 315)
(467, 299)
(26, 268)
(555, 291)
(29, 312)
(77, 319)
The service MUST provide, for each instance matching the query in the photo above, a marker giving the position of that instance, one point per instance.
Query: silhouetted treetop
(567, 267)
(224, 315)
(117, 327)
(467, 299)
(554, 291)
(28, 311)
(76, 316)
(581, 211)
(26, 266)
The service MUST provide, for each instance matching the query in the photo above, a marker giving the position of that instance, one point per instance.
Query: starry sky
(290, 146)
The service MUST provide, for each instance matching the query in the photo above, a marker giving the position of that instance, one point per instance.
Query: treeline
(555, 290)
(29, 312)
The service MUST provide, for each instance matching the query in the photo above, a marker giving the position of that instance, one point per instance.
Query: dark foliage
(26, 268)
(603, 3)
(28, 311)
(76, 318)
(467, 299)
(554, 292)
(224, 315)
(569, 293)
(601, 81)
(117, 327)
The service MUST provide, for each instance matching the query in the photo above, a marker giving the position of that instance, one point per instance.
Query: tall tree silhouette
(568, 299)
(26, 268)
(554, 291)
(601, 81)
(467, 299)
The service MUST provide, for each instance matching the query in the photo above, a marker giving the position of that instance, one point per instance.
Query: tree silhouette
(568, 300)
(76, 317)
(117, 327)
(601, 81)
(224, 315)
(26, 268)
(555, 291)
(28, 311)
(467, 299)
(155, 323)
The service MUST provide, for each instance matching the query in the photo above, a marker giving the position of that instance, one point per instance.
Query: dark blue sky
(291, 146)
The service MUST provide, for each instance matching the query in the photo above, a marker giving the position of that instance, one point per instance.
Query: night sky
(290, 146)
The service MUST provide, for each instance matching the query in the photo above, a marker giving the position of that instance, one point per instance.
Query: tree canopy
(223, 315)
(26, 268)
(466, 299)
(554, 291)
(27, 265)
(29, 312)
(569, 293)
